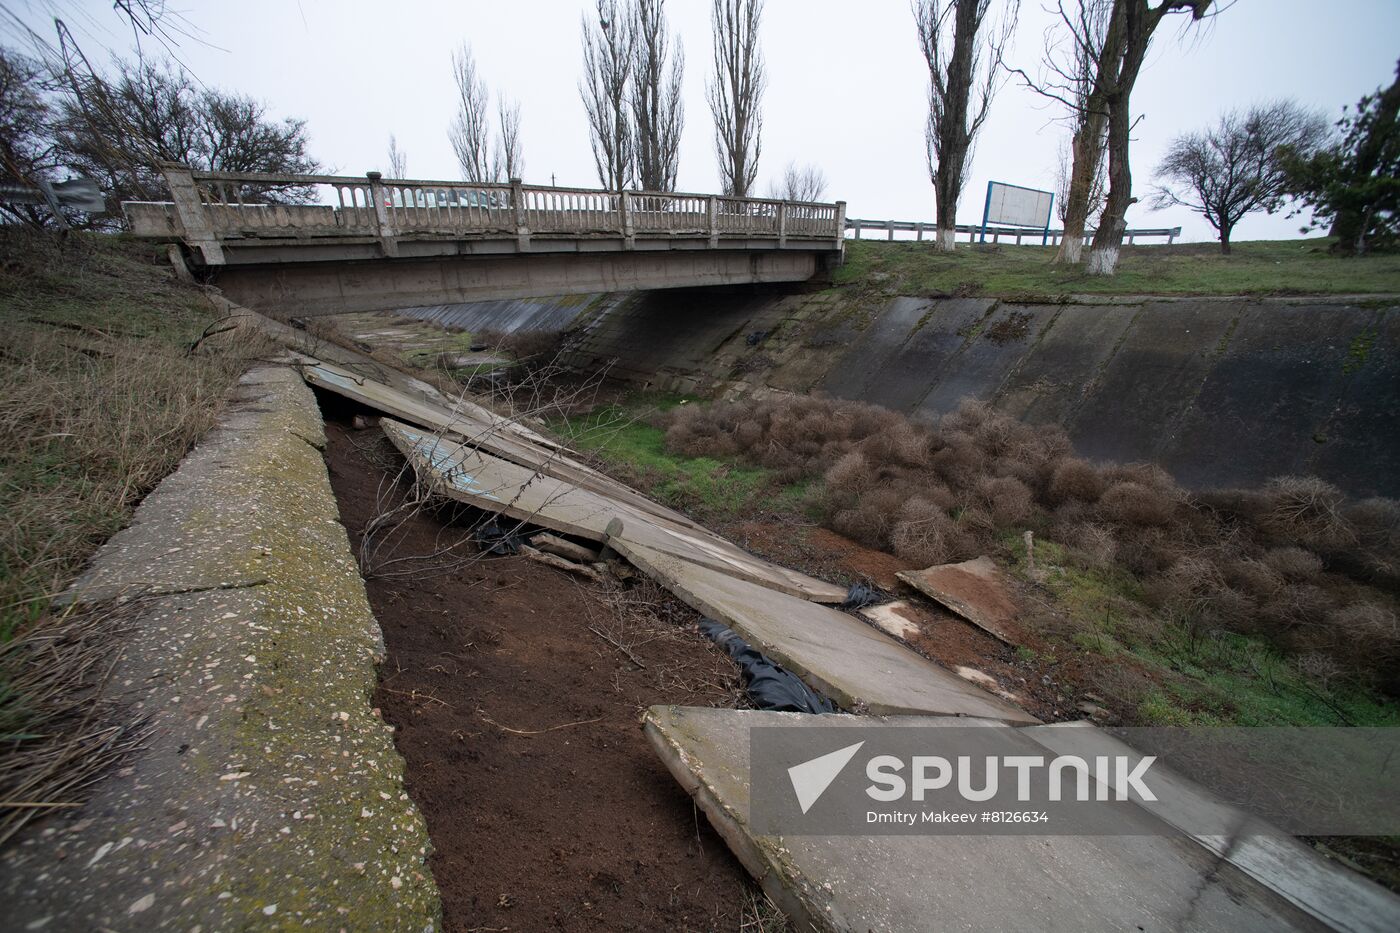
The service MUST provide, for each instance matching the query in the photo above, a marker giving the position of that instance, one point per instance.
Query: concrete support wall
(310, 288)
(1219, 391)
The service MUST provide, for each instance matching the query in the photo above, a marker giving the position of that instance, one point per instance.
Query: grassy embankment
(1264, 267)
(1103, 636)
(102, 392)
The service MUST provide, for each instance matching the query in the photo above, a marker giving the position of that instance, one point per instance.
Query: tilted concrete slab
(974, 590)
(268, 793)
(463, 419)
(525, 494)
(940, 882)
(852, 663)
(1335, 895)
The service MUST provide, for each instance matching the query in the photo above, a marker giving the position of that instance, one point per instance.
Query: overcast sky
(846, 85)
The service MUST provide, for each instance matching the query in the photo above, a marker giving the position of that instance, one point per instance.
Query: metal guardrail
(1050, 237)
(211, 208)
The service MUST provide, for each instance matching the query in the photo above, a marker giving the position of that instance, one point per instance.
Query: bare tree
(470, 132)
(1232, 169)
(119, 130)
(964, 70)
(26, 131)
(736, 92)
(510, 162)
(607, 68)
(1064, 195)
(657, 110)
(1082, 55)
(398, 159)
(805, 183)
(1139, 21)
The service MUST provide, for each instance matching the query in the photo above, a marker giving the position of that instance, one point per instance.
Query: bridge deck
(235, 218)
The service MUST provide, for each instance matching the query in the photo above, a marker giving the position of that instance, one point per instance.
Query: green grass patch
(622, 434)
(1202, 678)
(1263, 267)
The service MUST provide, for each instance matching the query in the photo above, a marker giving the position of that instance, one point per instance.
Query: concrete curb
(269, 794)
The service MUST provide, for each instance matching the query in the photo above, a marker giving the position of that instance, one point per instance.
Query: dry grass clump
(101, 395)
(1286, 561)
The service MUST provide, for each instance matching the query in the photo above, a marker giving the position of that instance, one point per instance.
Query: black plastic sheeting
(495, 538)
(770, 686)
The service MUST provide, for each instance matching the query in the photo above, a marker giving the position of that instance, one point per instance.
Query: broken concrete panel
(985, 357)
(267, 793)
(1335, 895)
(890, 618)
(841, 657)
(1148, 385)
(480, 427)
(974, 589)
(1281, 375)
(1350, 448)
(497, 485)
(1060, 369)
(901, 379)
(915, 882)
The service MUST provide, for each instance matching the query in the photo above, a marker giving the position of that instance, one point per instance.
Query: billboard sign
(1015, 206)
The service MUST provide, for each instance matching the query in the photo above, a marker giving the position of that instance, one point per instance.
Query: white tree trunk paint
(1102, 261)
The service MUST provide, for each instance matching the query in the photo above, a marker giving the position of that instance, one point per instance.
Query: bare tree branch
(398, 159)
(1232, 169)
(964, 54)
(510, 163)
(470, 132)
(807, 183)
(657, 110)
(736, 91)
(607, 66)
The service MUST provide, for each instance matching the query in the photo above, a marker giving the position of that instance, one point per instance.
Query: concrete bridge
(335, 244)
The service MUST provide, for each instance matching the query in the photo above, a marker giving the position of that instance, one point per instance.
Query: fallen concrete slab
(1324, 889)
(478, 478)
(464, 420)
(922, 882)
(268, 794)
(844, 659)
(974, 590)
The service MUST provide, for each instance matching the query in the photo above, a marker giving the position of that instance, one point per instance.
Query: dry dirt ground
(518, 716)
(520, 725)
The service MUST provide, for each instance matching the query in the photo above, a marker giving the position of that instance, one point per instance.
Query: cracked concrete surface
(269, 794)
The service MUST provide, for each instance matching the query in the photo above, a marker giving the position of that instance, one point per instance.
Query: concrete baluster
(624, 206)
(522, 227)
(189, 210)
(384, 227)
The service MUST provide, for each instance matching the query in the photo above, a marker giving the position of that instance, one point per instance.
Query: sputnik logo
(811, 778)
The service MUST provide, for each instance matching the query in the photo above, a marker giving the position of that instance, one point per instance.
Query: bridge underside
(320, 287)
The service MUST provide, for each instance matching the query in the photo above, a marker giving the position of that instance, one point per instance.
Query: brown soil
(1042, 690)
(546, 806)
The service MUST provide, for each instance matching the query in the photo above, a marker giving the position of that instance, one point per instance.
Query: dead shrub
(851, 474)
(1096, 542)
(1307, 510)
(1076, 479)
(1295, 605)
(1131, 503)
(925, 535)
(1295, 564)
(1008, 500)
(1255, 577)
